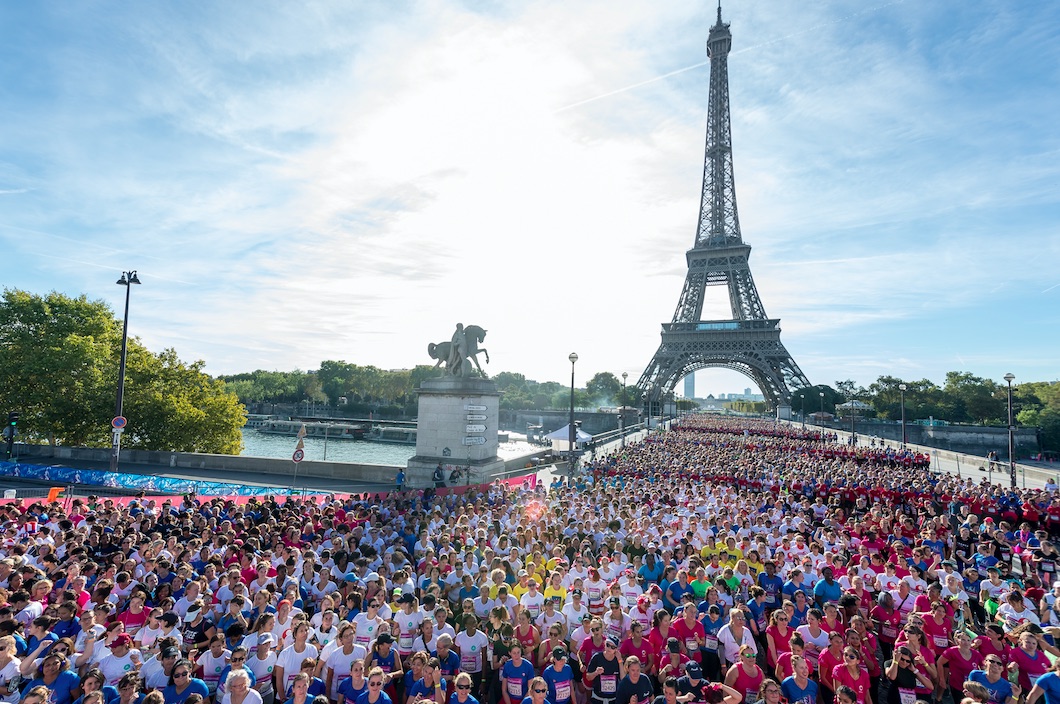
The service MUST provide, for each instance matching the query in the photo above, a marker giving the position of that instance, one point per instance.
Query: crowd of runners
(722, 561)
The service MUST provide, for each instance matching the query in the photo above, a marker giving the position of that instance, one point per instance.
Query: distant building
(690, 386)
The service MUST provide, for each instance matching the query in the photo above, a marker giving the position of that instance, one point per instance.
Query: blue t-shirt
(384, 698)
(518, 684)
(1000, 691)
(797, 695)
(420, 689)
(110, 695)
(825, 592)
(62, 688)
(1050, 685)
(676, 592)
(196, 686)
(560, 684)
(348, 692)
(470, 699)
(774, 587)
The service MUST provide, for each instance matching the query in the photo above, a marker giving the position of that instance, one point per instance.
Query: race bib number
(405, 643)
(515, 687)
(710, 642)
(906, 696)
(608, 684)
(770, 599)
(941, 641)
(469, 662)
(562, 691)
(691, 645)
(889, 632)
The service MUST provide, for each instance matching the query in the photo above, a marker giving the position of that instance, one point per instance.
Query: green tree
(604, 388)
(975, 398)
(59, 368)
(813, 401)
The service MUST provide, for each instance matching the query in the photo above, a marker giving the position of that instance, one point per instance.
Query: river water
(257, 444)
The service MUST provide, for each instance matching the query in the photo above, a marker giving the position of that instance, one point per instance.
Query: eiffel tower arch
(749, 342)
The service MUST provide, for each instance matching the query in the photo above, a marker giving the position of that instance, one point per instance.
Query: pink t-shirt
(959, 667)
(860, 684)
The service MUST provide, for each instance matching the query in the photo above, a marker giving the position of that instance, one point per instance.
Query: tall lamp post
(621, 411)
(821, 419)
(128, 278)
(1011, 433)
(802, 409)
(902, 388)
(573, 357)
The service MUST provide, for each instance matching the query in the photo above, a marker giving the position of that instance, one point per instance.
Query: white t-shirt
(291, 662)
(262, 670)
(252, 698)
(408, 629)
(114, 668)
(340, 664)
(472, 650)
(153, 674)
(535, 604)
(366, 629)
(9, 672)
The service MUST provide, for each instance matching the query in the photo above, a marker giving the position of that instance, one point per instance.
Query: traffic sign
(475, 429)
(474, 408)
(475, 440)
(475, 416)
(298, 455)
(118, 422)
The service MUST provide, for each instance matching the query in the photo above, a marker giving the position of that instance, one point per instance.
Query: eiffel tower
(749, 342)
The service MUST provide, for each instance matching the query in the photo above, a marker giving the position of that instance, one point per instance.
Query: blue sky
(330, 180)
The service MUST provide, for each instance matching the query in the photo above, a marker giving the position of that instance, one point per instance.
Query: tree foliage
(59, 368)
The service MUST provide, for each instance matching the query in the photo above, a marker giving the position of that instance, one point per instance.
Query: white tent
(561, 438)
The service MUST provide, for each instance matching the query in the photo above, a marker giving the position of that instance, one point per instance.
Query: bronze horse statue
(474, 335)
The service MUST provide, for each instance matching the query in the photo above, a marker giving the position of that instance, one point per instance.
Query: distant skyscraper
(690, 386)
(747, 392)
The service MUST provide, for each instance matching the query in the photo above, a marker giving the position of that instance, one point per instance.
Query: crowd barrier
(97, 477)
(150, 485)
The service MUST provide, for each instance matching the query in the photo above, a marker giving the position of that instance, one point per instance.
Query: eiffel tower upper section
(749, 342)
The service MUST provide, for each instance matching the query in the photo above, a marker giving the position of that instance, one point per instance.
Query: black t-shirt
(905, 680)
(964, 546)
(606, 685)
(684, 686)
(641, 690)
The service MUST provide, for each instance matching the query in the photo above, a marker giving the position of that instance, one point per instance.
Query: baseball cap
(615, 601)
(121, 639)
(559, 653)
(575, 592)
(384, 638)
(693, 670)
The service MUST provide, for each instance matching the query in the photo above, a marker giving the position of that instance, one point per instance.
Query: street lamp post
(821, 419)
(802, 409)
(621, 411)
(902, 388)
(573, 357)
(1011, 434)
(128, 278)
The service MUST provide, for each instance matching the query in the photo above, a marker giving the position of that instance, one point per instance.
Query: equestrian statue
(461, 351)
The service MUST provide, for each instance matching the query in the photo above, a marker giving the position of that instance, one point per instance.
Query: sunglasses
(852, 657)
(463, 686)
(238, 659)
(540, 691)
(179, 675)
(375, 684)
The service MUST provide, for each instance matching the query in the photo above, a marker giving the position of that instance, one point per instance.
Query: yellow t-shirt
(559, 591)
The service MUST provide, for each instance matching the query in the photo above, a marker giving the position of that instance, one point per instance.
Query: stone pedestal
(456, 425)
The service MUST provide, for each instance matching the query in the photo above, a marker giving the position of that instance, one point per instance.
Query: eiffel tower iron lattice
(749, 342)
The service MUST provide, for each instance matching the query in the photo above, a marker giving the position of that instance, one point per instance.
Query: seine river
(257, 444)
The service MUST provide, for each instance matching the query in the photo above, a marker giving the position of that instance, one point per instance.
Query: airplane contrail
(738, 51)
